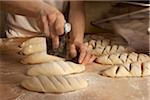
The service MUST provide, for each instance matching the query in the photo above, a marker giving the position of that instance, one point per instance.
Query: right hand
(51, 23)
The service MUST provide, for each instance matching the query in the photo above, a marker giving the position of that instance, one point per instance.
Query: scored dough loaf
(120, 58)
(105, 46)
(128, 70)
(56, 68)
(33, 48)
(54, 84)
(40, 57)
(99, 43)
(35, 40)
(108, 50)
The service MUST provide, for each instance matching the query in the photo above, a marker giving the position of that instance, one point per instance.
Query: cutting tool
(61, 51)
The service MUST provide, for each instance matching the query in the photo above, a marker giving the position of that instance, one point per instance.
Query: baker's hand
(85, 56)
(51, 22)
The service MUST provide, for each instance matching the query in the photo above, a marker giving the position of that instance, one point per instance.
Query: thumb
(73, 51)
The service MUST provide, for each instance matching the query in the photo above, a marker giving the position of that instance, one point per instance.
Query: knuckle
(58, 27)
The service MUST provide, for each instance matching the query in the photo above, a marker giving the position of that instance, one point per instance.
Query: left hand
(85, 56)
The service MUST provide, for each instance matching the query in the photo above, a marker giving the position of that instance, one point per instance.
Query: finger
(59, 24)
(87, 58)
(54, 36)
(92, 59)
(73, 52)
(52, 20)
(45, 25)
(55, 41)
(82, 54)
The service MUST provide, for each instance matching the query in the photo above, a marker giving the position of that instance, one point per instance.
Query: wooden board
(99, 88)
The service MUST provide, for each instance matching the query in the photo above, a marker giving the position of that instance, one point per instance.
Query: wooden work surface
(99, 88)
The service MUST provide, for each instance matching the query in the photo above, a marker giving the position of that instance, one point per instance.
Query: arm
(77, 20)
(25, 8)
(50, 19)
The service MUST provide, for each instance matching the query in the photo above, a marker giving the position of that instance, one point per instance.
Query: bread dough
(135, 69)
(40, 57)
(56, 68)
(35, 40)
(120, 58)
(146, 68)
(54, 84)
(109, 50)
(33, 48)
(99, 43)
(105, 46)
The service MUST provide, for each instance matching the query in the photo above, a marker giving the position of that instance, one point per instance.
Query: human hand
(85, 56)
(51, 21)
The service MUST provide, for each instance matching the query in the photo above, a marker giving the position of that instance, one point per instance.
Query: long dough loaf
(40, 57)
(128, 70)
(54, 84)
(56, 68)
(35, 40)
(109, 50)
(33, 48)
(99, 43)
(102, 47)
(120, 58)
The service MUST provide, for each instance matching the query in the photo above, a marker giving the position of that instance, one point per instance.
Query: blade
(61, 51)
(63, 40)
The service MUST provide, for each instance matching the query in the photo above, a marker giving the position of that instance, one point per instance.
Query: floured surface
(99, 88)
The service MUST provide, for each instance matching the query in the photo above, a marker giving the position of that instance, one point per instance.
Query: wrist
(77, 38)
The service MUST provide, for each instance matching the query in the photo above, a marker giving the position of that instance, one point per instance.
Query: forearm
(77, 19)
(26, 8)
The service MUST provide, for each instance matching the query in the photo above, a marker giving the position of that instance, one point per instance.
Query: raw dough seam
(103, 50)
(111, 47)
(142, 68)
(121, 59)
(54, 78)
(67, 81)
(50, 79)
(138, 57)
(61, 67)
(43, 88)
(60, 81)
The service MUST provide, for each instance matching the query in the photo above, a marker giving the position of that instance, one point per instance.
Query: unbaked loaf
(120, 58)
(35, 40)
(128, 70)
(56, 68)
(33, 48)
(40, 57)
(54, 84)
(109, 50)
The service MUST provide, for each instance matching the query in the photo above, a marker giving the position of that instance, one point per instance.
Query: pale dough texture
(128, 70)
(56, 68)
(33, 48)
(40, 57)
(35, 40)
(99, 43)
(109, 50)
(120, 58)
(54, 84)
(105, 46)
